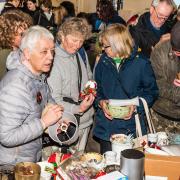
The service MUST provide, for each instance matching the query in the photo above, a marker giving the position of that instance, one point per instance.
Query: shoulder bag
(70, 100)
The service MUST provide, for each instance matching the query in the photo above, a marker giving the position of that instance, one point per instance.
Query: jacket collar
(60, 51)
(133, 55)
(42, 77)
(144, 24)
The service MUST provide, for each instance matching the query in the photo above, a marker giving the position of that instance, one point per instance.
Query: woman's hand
(131, 111)
(51, 114)
(104, 105)
(86, 103)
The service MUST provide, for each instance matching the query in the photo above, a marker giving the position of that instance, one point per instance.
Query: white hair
(33, 35)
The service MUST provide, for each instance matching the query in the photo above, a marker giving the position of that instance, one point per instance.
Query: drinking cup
(110, 157)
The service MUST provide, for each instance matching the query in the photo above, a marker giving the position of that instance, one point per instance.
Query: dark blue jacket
(145, 35)
(137, 78)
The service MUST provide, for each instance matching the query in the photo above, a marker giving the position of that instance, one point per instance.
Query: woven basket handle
(149, 120)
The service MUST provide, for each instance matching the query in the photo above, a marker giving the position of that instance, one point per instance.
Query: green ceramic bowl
(119, 112)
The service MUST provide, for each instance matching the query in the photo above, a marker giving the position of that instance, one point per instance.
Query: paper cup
(44, 174)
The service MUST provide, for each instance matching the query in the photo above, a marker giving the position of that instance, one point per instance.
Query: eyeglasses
(162, 18)
(106, 46)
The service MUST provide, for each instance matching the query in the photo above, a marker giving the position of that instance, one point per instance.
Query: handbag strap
(39, 18)
(80, 72)
(124, 90)
(149, 120)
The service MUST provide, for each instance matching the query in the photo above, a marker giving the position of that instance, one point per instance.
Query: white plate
(156, 151)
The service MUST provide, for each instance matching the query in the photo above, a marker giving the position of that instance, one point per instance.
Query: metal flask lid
(65, 131)
(132, 164)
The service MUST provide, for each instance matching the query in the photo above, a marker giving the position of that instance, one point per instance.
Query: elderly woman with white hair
(23, 96)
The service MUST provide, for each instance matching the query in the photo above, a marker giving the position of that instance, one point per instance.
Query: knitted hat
(175, 37)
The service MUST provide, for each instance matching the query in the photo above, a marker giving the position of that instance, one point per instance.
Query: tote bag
(141, 139)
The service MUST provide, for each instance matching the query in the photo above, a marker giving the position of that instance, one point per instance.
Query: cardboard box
(166, 166)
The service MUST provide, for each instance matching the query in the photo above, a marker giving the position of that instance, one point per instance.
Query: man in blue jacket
(152, 26)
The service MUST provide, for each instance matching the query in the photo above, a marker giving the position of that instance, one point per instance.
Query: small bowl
(119, 112)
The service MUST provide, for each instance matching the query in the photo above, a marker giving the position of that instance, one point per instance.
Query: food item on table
(26, 170)
(111, 168)
(80, 171)
(90, 88)
(91, 156)
(121, 138)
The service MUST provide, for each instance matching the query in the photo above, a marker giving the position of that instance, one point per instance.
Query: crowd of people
(44, 66)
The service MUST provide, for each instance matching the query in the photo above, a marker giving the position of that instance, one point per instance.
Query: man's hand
(176, 82)
(104, 105)
(86, 103)
(165, 37)
(51, 114)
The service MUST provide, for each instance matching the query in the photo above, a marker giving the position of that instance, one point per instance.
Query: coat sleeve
(166, 89)
(15, 109)
(50, 98)
(150, 90)
(98, 79)
(89, 72)
(55, 82)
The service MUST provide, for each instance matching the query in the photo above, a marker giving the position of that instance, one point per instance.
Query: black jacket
(41, 19)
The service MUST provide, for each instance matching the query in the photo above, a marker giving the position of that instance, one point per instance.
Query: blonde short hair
(119, 38)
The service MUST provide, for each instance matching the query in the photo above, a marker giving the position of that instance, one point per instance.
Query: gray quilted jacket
(63, 81)
(20, 112)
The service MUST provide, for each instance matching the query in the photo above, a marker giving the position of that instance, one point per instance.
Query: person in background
(45, 17)
(107, 15)
(32, 7)
(59, 14)
(2, 3)
(120, 74)
(12, 25)
(152, 26)
(178, 13)
(165, 60)
(24, 94)
(72, 74)
(10, 5)
(69, 6)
